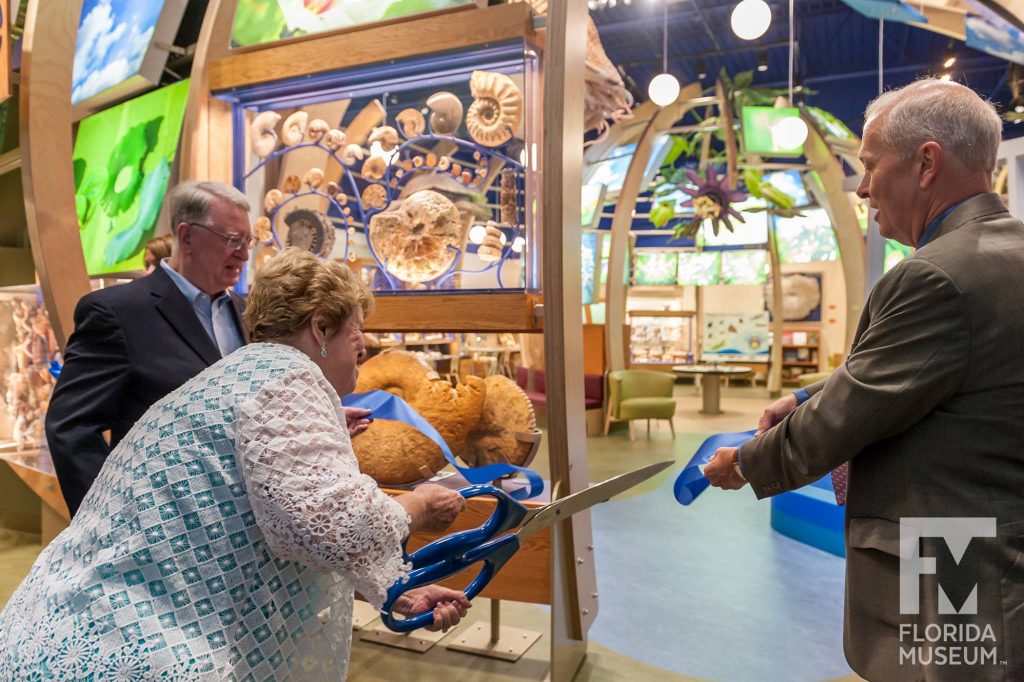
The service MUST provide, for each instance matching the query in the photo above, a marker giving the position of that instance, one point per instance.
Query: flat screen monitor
(266, 21)
(611, 170)
(829, 124)
(699, 269)
(807, 238)
(121, 49)
(753, 232)
(122, 162)
(765, 130)
(656, 269)
(790, 182)
(749, 266)
(592, 202)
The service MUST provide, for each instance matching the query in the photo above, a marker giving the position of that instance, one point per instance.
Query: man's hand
(775, 413)
(723, 470)
(449, 606)
(356, 419)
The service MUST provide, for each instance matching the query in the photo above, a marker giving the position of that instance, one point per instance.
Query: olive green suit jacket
(928, 409)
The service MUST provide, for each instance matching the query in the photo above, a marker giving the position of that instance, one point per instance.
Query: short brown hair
(295, 285)
(160, 247)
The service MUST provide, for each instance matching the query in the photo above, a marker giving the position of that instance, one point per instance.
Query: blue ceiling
(837, 54)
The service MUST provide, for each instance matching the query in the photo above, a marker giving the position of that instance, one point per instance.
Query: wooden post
(574, 603)
(48, 49)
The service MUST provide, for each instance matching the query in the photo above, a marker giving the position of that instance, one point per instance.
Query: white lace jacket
(228, 518)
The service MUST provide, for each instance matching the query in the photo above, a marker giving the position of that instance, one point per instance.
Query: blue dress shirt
(215, 314)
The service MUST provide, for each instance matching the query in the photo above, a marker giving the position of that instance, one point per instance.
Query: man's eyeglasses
(234, 241)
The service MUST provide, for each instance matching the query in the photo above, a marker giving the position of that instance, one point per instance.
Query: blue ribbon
(691, 482)
(54, 369)
(384, 405)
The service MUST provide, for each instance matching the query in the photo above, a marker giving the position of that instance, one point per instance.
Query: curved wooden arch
(47, 58)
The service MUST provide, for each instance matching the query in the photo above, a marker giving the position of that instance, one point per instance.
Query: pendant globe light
(664, 88)
(750, 19)
(790, 132)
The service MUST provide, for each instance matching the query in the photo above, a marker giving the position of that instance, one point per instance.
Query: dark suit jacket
(929, 411)
(132, 345)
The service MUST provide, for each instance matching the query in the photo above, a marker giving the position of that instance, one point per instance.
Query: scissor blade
(584, 499)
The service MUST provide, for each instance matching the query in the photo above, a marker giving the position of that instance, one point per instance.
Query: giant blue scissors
(492, 544)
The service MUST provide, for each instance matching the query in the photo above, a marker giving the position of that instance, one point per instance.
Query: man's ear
(930, 158)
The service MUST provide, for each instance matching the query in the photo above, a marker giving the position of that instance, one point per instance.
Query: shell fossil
(374, 168)
(264, 137)
(445, 113)
(334, 139)
(317, 128)
(314, 177)
(291, 184)
(352, 153)
(418, 239)
(294, 128)
(261, 229)
(272, 200)
(375, 196)
(412, 122)
(496, 110)
(386, 135)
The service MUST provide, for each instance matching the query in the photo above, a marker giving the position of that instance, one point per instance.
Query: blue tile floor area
(710, 590)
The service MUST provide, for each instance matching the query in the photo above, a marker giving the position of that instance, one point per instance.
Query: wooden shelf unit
(802, 352)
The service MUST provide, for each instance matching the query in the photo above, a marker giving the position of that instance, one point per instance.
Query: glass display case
(27, 347)
(420, 173)
(660, 338)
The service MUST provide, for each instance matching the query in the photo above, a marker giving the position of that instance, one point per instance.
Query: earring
(323, 350)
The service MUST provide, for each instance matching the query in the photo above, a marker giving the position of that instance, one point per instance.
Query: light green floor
(17, 552)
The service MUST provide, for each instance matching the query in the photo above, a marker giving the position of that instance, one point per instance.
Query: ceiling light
(750, 19)
(664, 88)
(789, 133)
(762, 61)
(950, 57)
(702, 69)
(1018, 106)
(946, 76)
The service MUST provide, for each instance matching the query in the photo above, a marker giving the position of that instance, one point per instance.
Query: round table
(711, 383)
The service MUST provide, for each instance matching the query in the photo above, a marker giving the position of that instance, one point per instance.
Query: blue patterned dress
(214, 540)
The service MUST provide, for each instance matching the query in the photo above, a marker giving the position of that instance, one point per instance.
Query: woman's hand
(357, 420)
(432, 507)
(449, 606)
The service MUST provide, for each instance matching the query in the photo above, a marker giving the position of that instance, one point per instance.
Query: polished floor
(705, 592)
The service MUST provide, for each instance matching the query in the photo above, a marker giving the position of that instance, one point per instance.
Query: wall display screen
(806, 239)
(730, 335)
(265, 21)
(752, 232)
(122, 163)
(117, 49)
(655, 269)
(611, 171)
(790, 182)
(765, 128)
(829, 124)
(588, 261)
(699, 269)
(745, 267)
(592, 203)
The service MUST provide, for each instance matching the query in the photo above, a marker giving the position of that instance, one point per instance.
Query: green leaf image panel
(122, 160)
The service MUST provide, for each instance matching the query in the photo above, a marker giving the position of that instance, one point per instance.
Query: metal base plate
(363, 614)
(419, 641)
(511, 645)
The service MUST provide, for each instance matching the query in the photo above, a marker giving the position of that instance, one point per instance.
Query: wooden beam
(574, 605)
(48, 47)
(323, 53)
(622, 220)
(945, 21)
(206, 149)
(441, 312)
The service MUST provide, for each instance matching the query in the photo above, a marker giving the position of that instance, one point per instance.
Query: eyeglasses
(234, 241)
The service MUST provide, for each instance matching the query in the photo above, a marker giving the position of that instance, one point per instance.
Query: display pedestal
(497, 641)
(419, 641)
(363, 614)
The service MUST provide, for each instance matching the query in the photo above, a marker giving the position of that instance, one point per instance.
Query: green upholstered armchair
(640, 394)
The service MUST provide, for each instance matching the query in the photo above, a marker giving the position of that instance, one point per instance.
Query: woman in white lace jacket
(227, 533)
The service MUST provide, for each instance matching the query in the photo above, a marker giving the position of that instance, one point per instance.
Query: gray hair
(965, 125)
(189, 202)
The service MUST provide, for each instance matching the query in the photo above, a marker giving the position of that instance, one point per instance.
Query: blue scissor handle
(507, 515)
(455, 553)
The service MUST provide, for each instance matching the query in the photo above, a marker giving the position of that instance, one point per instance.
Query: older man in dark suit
(135, 343)
(928, 409)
